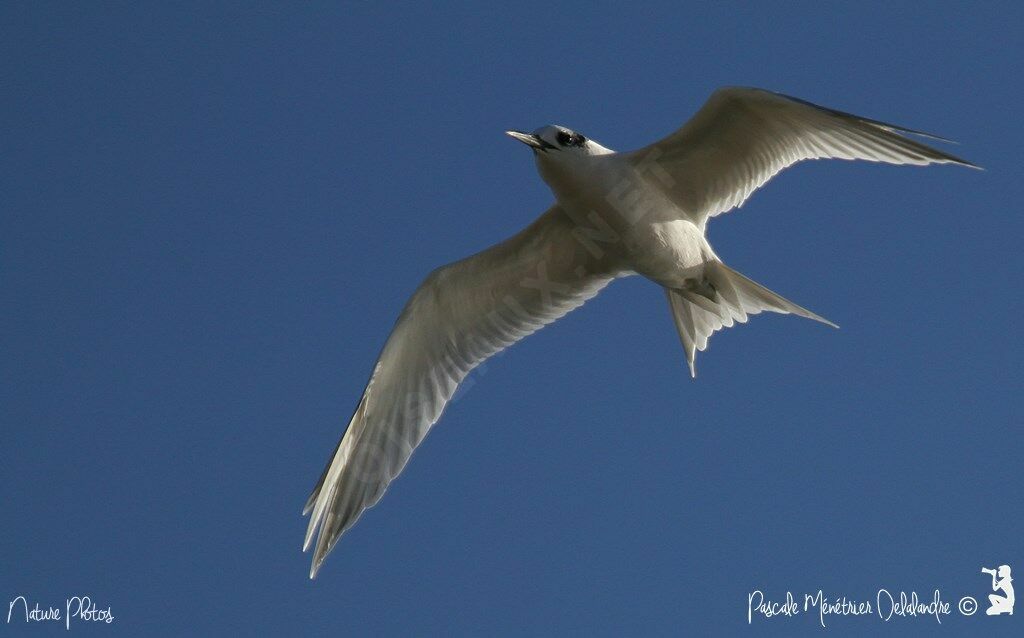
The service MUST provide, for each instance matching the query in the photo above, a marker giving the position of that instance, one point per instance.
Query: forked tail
(718, 300)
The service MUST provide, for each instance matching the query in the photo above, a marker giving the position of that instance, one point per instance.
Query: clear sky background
(210, 216)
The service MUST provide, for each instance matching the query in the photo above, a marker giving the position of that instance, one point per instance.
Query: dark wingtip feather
(311, 501)
(894, 128)
(885, 125)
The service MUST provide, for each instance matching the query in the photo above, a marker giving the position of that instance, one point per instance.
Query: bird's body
(615, 214)
(644, 231)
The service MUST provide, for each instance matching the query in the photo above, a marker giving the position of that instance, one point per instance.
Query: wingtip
(315, 564)
(311, 501)
(318, 562)
(904, 130)
(307, 542)
(819, 318)
(959, 161)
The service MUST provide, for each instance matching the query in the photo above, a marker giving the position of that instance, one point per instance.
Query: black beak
(530, 140)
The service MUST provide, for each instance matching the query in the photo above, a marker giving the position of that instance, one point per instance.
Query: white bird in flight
(615, 214)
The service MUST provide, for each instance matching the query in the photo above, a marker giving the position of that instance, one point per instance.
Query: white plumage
(616, 214)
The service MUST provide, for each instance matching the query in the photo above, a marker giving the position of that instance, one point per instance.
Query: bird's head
(558, 143)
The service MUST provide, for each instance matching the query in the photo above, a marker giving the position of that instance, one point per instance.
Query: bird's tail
(721, 298)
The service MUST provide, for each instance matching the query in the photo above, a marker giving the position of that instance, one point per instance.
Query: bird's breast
(668, 252)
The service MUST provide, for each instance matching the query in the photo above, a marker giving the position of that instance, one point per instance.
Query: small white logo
(1000, 581)
(77, 607)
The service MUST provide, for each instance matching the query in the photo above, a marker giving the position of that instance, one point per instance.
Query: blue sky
(210, 216)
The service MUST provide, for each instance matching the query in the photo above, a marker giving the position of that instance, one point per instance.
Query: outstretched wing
(461, 314)
(742, 137)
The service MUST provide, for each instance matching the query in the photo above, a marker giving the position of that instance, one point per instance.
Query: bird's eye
(570, 139)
